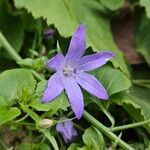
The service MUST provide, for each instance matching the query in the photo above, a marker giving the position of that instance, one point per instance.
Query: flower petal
(56, 62)
(88, 63)
(67, 130)
(92, 85)
(54, 88)
(77, 45)
(75, 96)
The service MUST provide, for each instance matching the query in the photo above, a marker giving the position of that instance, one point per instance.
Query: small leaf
(27, 146)
(7, 113)
(74, 146)
(43, 146)
(12, 82)
(112, 4)
(28, 62)
(93, 139)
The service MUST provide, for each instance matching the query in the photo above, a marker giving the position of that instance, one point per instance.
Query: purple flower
(67, 130)
(71, 72)
(48, 33)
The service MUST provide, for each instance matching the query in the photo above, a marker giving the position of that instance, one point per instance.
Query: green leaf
(74, 146)
(146, 4)
(50, 138)
(7, 113)
(113, 79)
(142, 36)
(13, 82)
(93, 138)
(26, 146)
(66, 15)
(142, 99)
(60, 103)
(136, 103)
(112, 4)
(43, 146)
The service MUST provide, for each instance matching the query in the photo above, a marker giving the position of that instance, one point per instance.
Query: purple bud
(48, 33)
(66, 130)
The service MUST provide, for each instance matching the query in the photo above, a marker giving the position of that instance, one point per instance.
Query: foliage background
(119, 26)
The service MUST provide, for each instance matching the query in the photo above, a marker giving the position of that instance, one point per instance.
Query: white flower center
(69, 71)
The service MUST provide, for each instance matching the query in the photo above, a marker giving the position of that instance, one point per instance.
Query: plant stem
(36, 118)
(21, 119)
(106, 131)
(133, 125)
(3, 144)
(109, 116)
(14, 54)
(140, 80)
(9, 48)
(32, 114)
(37, 75)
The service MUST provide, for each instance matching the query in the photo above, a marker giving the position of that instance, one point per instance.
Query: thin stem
(14, 54)
(133, 125)
(9, 48)
(109, 116)
(32, 114)
(21, 123)
(21, 119)
(79, 127)
(37, 75)
(3, 144)
(141, 80)
(36, 118)
(106, 131)
(50, 138)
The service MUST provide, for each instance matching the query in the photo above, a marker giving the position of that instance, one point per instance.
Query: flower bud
(48, 33)
(67, 130)
(45, 123)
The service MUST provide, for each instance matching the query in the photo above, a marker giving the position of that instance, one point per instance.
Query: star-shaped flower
(71, 71)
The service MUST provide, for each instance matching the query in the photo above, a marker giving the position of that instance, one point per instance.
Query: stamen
(69, 71)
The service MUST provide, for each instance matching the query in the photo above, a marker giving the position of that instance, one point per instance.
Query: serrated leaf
(12, 82)
(142, 99)
(142, 36)
(112, 4)
(61, 102)
(113, 79)
(93, 138)
(67, 15)
(136, 103)
(146, 4)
